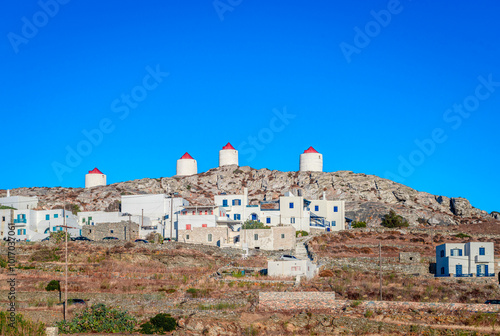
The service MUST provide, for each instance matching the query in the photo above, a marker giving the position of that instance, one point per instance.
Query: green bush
(21, 326)
(159, 324)
(54, 285)
(154, 237)
(59, 236)
(462, 235)
(253, 224)
(303, 233)
(3, 263)
(393, 220)
(358, 224)
(98, 318)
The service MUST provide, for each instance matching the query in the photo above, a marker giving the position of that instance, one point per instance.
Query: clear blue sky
(361, 91)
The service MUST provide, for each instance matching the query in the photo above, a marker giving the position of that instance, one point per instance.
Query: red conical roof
(310, 150)
(95, 171)
(228, 146)
(186, 156)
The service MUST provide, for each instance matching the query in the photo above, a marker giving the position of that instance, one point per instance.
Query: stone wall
(409, 257)
(293, 301)
(123, 231)
(275, 301)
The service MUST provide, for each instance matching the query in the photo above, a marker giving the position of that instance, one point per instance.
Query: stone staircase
(300, 248)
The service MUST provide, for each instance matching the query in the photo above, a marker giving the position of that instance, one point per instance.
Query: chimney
(245, 196)
(324, 195)
(8, 193)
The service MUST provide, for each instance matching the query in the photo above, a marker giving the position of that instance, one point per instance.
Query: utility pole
(66, 262)
(380, 266)
(142, 219)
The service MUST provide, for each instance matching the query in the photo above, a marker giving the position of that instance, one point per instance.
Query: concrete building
(311, 160)
(6, 218)
(273, 239)
(200, 216)
(237, 207)
(294, 211)
(161, 210)
(186, 165)
(95, 179)
(19, 202)
(473, 259)
(228, 156)
(327, 214)
(291, 268)
(34, 225)
(122, 230)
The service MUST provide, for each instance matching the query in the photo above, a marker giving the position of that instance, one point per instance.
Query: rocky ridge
(367, 197)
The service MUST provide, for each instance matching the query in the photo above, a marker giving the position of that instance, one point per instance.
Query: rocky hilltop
(367, 197)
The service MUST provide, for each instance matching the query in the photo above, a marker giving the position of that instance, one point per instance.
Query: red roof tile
(228, 146)
(95, 171)
(310, 150)
(186, 156)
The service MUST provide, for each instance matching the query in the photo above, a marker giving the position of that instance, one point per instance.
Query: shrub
(462, 235)
(54, 285)
(154, 237)
(59, 236)
(358, 224)
(21, 326)
(129, 245)
(3, 263)
(159, 324)
(98, 318)
(302, 233)
(253, 224)
(393, 220)
(368, 313)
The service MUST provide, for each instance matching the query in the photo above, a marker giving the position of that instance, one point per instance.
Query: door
(478, 270)
(254, 216)
(458, 270)
(486, 270)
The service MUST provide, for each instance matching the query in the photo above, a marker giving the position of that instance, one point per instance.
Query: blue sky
(362, 82)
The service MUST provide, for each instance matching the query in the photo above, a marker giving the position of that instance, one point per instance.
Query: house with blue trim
(473, 259)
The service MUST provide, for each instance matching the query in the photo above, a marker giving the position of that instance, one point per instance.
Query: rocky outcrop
(367, 197)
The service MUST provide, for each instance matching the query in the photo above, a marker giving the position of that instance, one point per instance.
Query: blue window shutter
(316, 208)
(268, 220)
(335, 209)
(482, 251)
(291, 205)
(460, 253)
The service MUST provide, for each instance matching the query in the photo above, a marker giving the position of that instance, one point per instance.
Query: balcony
(463, 275)
(20, 221)
(483, 258)
(481, 275)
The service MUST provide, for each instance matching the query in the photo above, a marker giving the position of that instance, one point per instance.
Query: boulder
(433, 221)
(460, 207)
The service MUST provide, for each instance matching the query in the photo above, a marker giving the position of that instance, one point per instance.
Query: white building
(237, 207)
(161, 210)
(474, 259)
(34, 225)
(228, 156)
(186, 165)
(327, 214)
(19, 202)
(99, 217)
(95, 178)
(294, 211)
(198, 216)
(291, 268)
(311, 160)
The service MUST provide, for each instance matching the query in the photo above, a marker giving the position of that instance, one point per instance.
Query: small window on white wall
(209, 237)
(282, 236)
(292, 220)
(256, 236)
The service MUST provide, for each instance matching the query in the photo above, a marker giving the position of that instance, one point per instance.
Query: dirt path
(444, 326)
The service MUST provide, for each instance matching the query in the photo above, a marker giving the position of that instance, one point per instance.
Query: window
(203, 225)
(456, 252)
(83, 220)
(442, 268)
(206, 212)
(90, 218)
(291, 205)
(212, 212)
(90, 231)
(21, 232)
(482, 251)
(237, 216)
(268, 220)
(335, 209)
(224, 202)
(316, 208)
(334, 223)
(295, 268)
(187, 236)
(236, 202)
(209, 237)
(442, 254)
(282, 236)
(292, 220)
(3, 219)
(111, 231)
(56, 215)
(256, 236)
(47, 217)
(193, 213)
(201, 212)
(188, 226)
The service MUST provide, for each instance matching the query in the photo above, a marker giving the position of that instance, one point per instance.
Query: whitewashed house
(291, 268)
(19, 202)
(474, 259)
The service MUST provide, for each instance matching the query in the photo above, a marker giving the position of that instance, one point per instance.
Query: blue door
(254, 216)
(478, 270)
(486, 270)
(458, 270)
